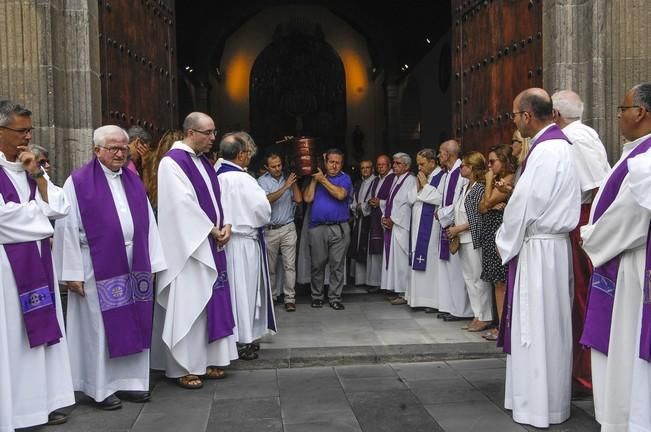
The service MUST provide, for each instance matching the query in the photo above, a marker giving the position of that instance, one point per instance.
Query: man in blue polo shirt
(329, 232)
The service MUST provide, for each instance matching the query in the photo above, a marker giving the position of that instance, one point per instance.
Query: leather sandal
(214, 373)
(190, 382)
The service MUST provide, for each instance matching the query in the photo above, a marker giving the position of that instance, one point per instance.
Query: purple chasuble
(598, 319)
(219, 309)
(34, 276)
(271, 320)
(359, 238)
(504, 333)
(126, 294)
(387, 214)
(376, 232)
(444, 242)
(419, 261)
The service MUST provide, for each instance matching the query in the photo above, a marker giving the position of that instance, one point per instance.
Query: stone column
(49, 61)
(597, 48)
(393, 96)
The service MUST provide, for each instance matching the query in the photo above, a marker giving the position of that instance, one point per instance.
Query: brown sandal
(214, 373)
(190, 382)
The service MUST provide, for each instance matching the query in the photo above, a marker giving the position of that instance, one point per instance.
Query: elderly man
(106, 251)
(536, 330)
(396, 222)
(591, 164)
(280, 234)
(329, 231)
(454, 303)
(42, 157)
(139, 143)
(194, 293)
(358, 250)
(35, 369)
(617, 240)
(250, 211)
(425, 233)
(379, 194)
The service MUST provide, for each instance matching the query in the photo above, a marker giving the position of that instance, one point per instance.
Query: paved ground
(374, 373)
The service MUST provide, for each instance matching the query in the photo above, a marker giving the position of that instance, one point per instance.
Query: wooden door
(138, 64)
(497, 53)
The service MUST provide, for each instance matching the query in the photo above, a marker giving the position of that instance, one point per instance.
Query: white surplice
(423, 290)
(590, 158)
(374, 261)
(621, 230)
(184, 289)
(35, 381)
(543, 209)
(93, 371)
(396, 275)
(452, 294)
(358, 269)
(248, 209)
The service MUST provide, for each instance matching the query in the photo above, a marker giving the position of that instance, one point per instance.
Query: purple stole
(425, 229)
(504, 334)
(387, 214)
(34, 276)
(125, 294)
(361, 230)
(596, 332)
(219, 309)
(444, 242)
(376, 234)
(271, 321)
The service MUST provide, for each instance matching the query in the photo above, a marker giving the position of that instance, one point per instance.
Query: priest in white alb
(106, 251)
(617, 241)
(453, 300)
(195, 316)
(361, 211)
(34, 364)
(425, 232)
(536, 328)
(396, 222)
(248, 271)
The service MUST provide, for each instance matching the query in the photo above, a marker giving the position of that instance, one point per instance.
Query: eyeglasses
(44, 162)
(23, 131)
(515, 113)
(622, 108)
(208, 132)
(115, 150)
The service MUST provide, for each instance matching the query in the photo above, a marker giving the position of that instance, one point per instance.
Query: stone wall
(49, 61)
(600, 49)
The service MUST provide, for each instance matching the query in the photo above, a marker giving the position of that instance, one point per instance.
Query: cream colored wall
(365, 99)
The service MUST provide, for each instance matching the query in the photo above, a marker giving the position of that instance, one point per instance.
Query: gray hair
(135, 132)
(568, 104)
(100, 134)
(250, 144)
(8, 109)
(231, 145)
(404, 157)
(642, 95)
(452, 146)
(38, 150)
(428, 154)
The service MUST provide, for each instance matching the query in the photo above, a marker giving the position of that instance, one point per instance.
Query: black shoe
(317, 303)
(337, 305)
(247, 352)
(454, 318)
(56, 418)
(442, 315)
(373, 290)
(110, 403)
(134, 396)
(255, 346)
(431, 310)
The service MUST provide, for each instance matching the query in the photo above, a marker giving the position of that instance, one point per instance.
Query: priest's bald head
(532, 111)
(449, 152)
(634, 114)
(199, 130)
(237, 147)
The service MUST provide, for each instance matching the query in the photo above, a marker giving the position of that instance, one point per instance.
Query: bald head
(383, 165)
(536, 102)
(195, 120)
(453, 147)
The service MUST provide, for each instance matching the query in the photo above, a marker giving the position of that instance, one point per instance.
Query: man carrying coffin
(361, 213)
(34, 364)
(379, 194)
(454, 302)
(194, 292)
(396, 222)
(536, 328)
(618, 320)
(248, 271)
(425, 232)
(106, 251)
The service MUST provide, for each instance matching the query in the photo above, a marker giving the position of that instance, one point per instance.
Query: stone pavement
(374, 368)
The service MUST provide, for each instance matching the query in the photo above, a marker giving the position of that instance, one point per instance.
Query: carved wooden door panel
(496, 53)
(138, 64)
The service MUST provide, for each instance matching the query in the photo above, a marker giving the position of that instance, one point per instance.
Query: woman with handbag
(467, 234)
